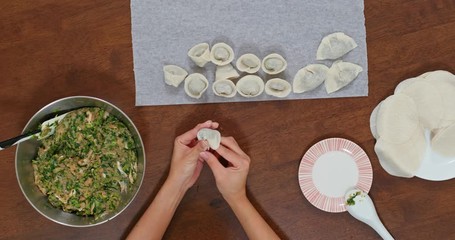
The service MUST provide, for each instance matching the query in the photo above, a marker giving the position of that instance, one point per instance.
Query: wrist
(174, 187)
(236, 199)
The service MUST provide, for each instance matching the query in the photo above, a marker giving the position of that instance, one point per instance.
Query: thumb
(201, 146)
(213, 162)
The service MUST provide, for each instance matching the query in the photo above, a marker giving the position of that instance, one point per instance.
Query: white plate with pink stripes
(329, 169)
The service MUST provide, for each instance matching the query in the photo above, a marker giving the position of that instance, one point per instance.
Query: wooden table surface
(53, 49)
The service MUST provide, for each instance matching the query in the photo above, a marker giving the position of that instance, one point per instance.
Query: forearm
(153, 224)
(250, 219)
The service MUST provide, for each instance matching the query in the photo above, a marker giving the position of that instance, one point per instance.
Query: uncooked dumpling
(224, 88)
(277, 87)
(404, 159)
(309, 78)
(248, 63)
(443, 141)
(334, 46)
(397, 119)
(341, 74)
(226, 72)
(174, 75)
(250, 86)
(221, 54)
(273, 64)
(195, 85)
(200, 54)
(212, 136)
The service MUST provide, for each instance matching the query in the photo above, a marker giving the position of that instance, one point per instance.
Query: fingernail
(203, 155)
(206, 145)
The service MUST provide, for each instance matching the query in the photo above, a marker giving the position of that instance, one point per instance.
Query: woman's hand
(186, 165)
(231, 181)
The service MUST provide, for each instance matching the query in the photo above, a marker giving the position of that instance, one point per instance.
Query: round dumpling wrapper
(402, 160)
(373, 121)
(443, 141)
(405, 83)
(428, 101)
(397, 119)
(444, 81)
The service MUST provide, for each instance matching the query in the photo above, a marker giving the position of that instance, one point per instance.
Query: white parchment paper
(164, 31)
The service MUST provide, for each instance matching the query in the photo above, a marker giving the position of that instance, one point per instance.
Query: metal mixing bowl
(26, 151)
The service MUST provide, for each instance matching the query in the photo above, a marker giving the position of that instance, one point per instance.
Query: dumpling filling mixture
(87, 164)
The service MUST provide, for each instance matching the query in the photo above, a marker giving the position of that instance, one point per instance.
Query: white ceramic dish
(435, 167)
(329, 169)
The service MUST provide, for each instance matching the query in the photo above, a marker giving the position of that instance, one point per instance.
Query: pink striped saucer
(329, 169)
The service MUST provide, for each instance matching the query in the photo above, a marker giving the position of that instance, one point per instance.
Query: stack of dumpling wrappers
(419, 115)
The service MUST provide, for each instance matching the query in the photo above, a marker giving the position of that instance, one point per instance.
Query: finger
(229, 155)
(213, 162)
(232, 144)
(201, 146)
(189, 136)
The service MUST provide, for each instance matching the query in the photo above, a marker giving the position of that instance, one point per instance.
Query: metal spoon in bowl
(47, 129)
(361, 207)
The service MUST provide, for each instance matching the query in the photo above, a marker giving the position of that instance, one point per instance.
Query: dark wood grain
(53, 49)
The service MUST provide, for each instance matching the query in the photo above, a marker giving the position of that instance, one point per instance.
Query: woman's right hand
(231, 180)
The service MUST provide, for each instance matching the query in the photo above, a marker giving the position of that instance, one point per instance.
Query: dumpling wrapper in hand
(212, 136)
(402, 160)
(200, 54)
(443, 141)
(195, 85)
(309, 78)
(341, 74)
(397, 119)
(174, 75)
(334, 46)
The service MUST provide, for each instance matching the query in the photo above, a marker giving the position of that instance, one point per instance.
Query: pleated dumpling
(341, 74)
(334, 46)
(248, 63)
(224, 88)
(174, 75)
(221, 54)
(309, 78)
(226, 72)
(200, 54)
(195, 85)
(278, 87)
(250, 86)
(212, 136)
(273, 64)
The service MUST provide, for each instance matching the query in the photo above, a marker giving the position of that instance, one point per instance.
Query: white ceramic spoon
(361, 207)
